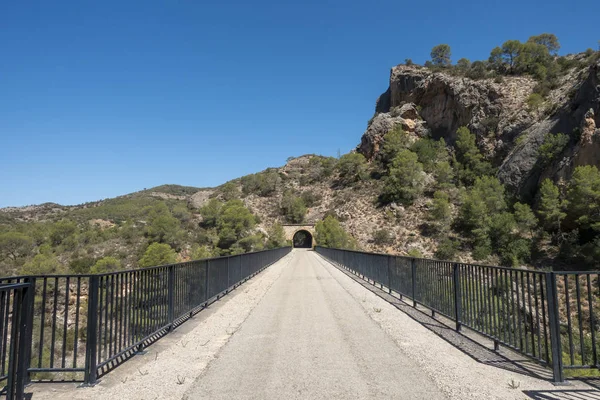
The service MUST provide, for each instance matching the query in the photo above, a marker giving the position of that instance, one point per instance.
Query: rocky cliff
(508, 131)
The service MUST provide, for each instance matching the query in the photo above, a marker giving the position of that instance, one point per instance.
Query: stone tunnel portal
(302, 239)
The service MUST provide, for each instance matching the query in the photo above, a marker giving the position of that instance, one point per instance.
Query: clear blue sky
(102, 98)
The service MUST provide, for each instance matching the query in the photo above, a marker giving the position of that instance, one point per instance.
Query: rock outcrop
(423, 102)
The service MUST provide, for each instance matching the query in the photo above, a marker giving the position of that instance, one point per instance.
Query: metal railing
(548, 316)
(15, 309)
(82, 326)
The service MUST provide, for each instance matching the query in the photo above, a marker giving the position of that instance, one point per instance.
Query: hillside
(494, 161)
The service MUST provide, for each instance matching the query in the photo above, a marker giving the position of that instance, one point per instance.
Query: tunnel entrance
(302, 240)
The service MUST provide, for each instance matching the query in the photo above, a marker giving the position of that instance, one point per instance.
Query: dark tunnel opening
(302, 240)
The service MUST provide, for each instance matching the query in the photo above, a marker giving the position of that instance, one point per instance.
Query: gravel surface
(305, 329)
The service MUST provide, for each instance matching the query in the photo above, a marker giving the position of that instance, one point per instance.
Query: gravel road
(309, 338)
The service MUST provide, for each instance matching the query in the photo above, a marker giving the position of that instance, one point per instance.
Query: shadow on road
(563, 394)
(469, 342)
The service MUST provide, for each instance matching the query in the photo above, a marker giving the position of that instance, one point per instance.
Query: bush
(406, 180)
(550, 206)
(210, 213)
(506, 242)
(61, 231)
(440, 212)
(525, 218)
(42, 264)
(383, 237)
(584, 197)
(201, 252)
(157, 254)
(469, 162)
(477, 71)
(447, 249)
(534, 102)
(82, 265)
(329, 233)
(393, 142)
(276, 237)
(293, 208)
(551, 148)
(263, 183)
(311, 198)
(430, 152)
(443, 174)
(352, 168)
(162, 226)
(234, 223)
(480, 203)
(229, 191)
(320, 168)
(14, 245)
(106, 264)
(414, 252)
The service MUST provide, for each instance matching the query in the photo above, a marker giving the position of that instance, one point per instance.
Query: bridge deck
(305, 329)
(309, 338)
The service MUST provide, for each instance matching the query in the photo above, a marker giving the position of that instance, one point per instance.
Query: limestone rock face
(438, 103)
(589, 144)
(200, 198)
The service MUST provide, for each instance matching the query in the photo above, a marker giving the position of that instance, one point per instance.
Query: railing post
(228, 274)
(91, 361)
(171, 297)
(389, 268)
(553, 320)
(29, 330)
(206, 283)
(457, 297)
(18, 364)
(413, 265)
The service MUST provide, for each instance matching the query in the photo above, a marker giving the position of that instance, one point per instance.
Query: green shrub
(14, 245)
(352, 168)
(414, 252)
(162, 226)
(440, 212)
(276, 236)
(469, 162)
(61, 230)
(584, 197)
(311, 198)
(447, 249)
(329, 233)
(393, 142)
(42, 264)
(81, 265)
(534, 102)
(293, 208)
(320, 168)
(551, 148)
(430, 152)
(157, 254)
(263, 183)
(106, 264)
(525, 218)
(201, 252)
(210, 213)
(229, 191)
(550, 207)
(406, 181)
